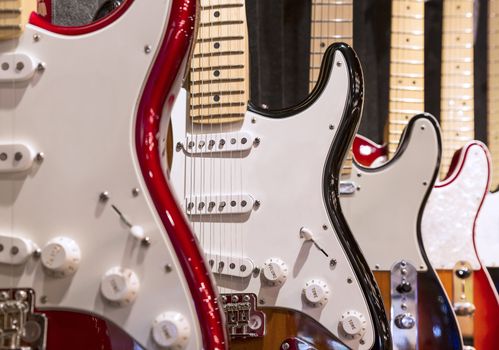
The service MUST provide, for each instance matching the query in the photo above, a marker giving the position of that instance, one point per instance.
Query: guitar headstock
(14, 14)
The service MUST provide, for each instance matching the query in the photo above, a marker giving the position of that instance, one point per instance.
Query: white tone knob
(316, 292)
(353, 323)
(61, 256)
(137, 232)
(275, 271)
(120, 285)
(171, 330)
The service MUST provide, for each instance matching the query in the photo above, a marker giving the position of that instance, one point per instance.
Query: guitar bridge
(20, 327)
(243, 319)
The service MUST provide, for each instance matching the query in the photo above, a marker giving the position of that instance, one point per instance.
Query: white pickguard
(284, 172)
(487, 231)
(383, 212)
(80, 112)
(449, 217)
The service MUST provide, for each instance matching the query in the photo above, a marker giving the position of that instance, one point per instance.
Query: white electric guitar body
(79, 230)
(384, 213)
(258, 194)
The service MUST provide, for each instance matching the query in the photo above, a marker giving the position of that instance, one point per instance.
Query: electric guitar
(487, 224)
(388, 229)
(449, 220)
(94, 252)
(271, 231)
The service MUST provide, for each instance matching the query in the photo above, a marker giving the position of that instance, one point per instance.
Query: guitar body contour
(384, 215)
(95, 237)
(448, 229)
(283, 220)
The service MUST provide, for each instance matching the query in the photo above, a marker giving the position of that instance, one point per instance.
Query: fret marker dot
(323, 44)
(413, 82)
(216, 98)
(216, 45)
(216, 73)
(216, 14)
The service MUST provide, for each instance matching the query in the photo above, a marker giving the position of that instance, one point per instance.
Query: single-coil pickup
(15, 158)
(230, 266)
(17, 67)
(221, 204)
(15, 250)
(218, 143)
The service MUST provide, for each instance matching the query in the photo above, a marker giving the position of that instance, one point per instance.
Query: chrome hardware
(243, 319)
(405, 321)
(347, 188)
(404, 305)
(21, 328)
(463, 298)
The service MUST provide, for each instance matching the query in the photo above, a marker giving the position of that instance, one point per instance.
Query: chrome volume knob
(275, 271)
(120, 286)
(171, 330)
(353, 323)
(316, 293)
(61, 256)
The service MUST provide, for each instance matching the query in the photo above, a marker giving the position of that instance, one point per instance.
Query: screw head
(104, 196)
(40, 67)
(147, 49)
(135, 191)
(146, 241)
(36, 37)
(40, 156)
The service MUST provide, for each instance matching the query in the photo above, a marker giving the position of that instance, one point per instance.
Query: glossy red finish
(366, 151)
(160, 88)
(77, 331)
(486, 318)
(44, 22)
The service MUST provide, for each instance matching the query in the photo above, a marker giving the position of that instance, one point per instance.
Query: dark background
(279, 32)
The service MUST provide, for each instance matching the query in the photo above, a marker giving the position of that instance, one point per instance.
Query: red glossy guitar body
(367, 152)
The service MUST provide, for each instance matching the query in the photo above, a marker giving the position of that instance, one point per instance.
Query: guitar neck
(406, 94)
(493, 90)
(332, 21)
(219, 67)
(457, 101)
(14, 14)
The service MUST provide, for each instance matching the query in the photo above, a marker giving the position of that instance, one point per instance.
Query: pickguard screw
(43, 299)
(257, 204)
(349, 280)
(362, 342)
(147, 49)
(40, 156)
(425, 183)
(179, 146)
(256, 270)
(37, 253)
(168, 268)
(104, 196)
(253, 120)
(146, 241)
(40, 67)
(324, 227)
(338, 64)
(261, 301)
(331, 127)
(333, 263)
(422, 127)
(256, 142)
(135, 192)
(36, 37)
(377, 266)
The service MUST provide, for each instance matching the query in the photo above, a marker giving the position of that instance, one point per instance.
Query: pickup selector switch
(170, 330)
(120, 286)
(316, 293)
(353, 324)
(61, 256)
(275, 271)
